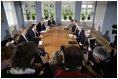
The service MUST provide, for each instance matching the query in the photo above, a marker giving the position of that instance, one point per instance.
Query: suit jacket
(40, 27)
(51, 22)
(32, 37)
(73, 27)
(22, 39)
(81, 37)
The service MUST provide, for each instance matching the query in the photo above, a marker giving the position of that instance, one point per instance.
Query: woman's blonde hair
(57, 58)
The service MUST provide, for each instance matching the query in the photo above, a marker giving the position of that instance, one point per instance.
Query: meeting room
(59, 39)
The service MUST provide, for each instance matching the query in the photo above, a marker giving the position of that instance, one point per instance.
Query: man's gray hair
(101, 52)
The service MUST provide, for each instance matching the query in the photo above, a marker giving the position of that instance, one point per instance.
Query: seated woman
(22, 62)
(51, 22)
(73, 61)
(57, 60)
(6, 54)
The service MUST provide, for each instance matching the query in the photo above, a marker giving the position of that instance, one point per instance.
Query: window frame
(42, 9)
(86, 10)
(72, 4)
(30, 9)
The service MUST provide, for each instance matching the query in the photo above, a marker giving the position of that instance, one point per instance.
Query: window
(10, 12)
(87, 10)
(48, 10)
(68, 10)
(29, 10)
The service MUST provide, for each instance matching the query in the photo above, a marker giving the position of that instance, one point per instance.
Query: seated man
(40, 26)
(33, 35)
(51, 22)
(23, 36)
(73, 25)
(80, 34)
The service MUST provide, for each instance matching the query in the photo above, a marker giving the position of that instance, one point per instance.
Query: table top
(54, 38)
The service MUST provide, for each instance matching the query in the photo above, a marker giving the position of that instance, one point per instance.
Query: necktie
(79, 32)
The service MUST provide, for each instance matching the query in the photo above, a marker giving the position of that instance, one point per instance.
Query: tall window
(10, 12)
(48, 10)
(29, 10)
(68, 10)
(87, 10)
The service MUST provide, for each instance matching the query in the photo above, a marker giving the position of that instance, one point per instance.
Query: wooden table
(54, 38)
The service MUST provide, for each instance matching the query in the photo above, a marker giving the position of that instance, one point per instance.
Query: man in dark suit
(33, 34)
(73, 25)
(40, 26)
(23, 36)
(80, 34)
(51, 22)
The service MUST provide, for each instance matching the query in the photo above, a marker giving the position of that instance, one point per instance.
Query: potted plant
(89, 15)
(33, 15)
(65, 14)
(70, 14)
(52, 14)
(83, 16)
(27, 14)
(65, 17)
(70, 17)
(46, 13)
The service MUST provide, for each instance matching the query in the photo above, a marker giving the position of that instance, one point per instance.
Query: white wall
(10, 15)
(110, 18)
(99, 15)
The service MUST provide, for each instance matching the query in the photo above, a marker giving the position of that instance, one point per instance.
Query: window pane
(68, 10)
(48, 10)
(87, 10)
(84, 6)
(29, 10)
(90, 6)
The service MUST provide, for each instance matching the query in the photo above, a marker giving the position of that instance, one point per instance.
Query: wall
(58, 12)
(99, 14)
(110, 18)
(4, 24)
(78, 10)
(38, 11)
(19, 13)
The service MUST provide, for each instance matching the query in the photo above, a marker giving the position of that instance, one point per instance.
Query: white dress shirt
(25, 37)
